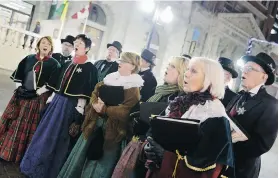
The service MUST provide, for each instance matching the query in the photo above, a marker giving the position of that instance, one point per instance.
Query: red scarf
(79, 59)
(44, 59)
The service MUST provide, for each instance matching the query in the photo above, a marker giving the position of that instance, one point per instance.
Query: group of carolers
(43, 119)
(56, 124)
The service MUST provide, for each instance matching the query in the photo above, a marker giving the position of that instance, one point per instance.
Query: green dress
(78, 166)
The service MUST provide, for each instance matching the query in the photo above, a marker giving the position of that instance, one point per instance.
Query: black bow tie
(245, 96)
(242, 92)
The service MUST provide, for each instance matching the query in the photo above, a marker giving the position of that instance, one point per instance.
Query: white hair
(213, 76)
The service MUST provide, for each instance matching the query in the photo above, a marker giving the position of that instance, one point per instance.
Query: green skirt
(78, 166)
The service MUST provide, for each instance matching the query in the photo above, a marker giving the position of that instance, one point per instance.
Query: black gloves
(154, 152)
(74, 128)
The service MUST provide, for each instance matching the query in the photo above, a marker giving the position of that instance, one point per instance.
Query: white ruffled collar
(209, 110)
(115, 79)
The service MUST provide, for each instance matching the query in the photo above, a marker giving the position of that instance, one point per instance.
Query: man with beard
(229, 73)
(67, 49)
(150, 82)
(257, 112)
(109, 65)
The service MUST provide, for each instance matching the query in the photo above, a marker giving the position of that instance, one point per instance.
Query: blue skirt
(48, 149)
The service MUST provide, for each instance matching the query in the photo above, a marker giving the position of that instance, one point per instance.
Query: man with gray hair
(257, 112)
(67, 49)
(109, 65)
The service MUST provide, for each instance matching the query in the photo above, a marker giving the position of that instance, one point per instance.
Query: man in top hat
(67, 49)
(257, 112)
(229, 73)
(109, 65)
(150, 82)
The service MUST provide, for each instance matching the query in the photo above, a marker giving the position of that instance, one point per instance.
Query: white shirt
(103, 65)
(144, 69)
(255, 90)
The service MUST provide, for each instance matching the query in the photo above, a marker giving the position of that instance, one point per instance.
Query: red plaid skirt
(16, 133)
(128, 160)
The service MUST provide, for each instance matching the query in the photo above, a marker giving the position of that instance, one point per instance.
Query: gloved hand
(80, 106)
(41, 90)
(74, 129)
(80, 110)
(154, 151)
(50, 98)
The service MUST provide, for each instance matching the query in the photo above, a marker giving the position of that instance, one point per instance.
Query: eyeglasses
(250, 68)
(68, 45)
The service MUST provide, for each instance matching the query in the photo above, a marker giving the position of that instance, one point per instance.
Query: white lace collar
(209, 110)
(115, 79)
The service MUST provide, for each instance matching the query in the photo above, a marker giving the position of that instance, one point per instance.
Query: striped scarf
(163, 90)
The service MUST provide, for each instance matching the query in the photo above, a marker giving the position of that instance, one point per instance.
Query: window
(97, 15)
(16, 13)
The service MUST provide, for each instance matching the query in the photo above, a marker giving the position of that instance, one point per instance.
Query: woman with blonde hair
(173, 85)
(210, 151)
(107, 116)
(22, 115)
(173, 80)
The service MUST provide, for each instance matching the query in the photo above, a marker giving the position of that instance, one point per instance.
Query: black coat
(149, 85)
(109, 67)
(49, 69)
(260, 122)
(229, 95)
(61, 59)
(81, 83)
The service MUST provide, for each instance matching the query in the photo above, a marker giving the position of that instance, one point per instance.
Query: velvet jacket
(149, 86)
(61, 59)
(229, 95)
(47, 70)
(81, 82)
(109, 67)
(260, 121)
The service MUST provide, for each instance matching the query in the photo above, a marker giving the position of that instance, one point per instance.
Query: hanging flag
(59, 11)
(83, 13)
(64, 13)
(52, 9)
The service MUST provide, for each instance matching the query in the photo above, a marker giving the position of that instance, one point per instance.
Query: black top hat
(228, 65)
(266, 62)
(117, 45)
(148, 56)
(70, 39)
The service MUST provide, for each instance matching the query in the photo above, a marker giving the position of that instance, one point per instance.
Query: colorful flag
(83, 13)
(60, 10)
(64, 13)
(52, 9)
